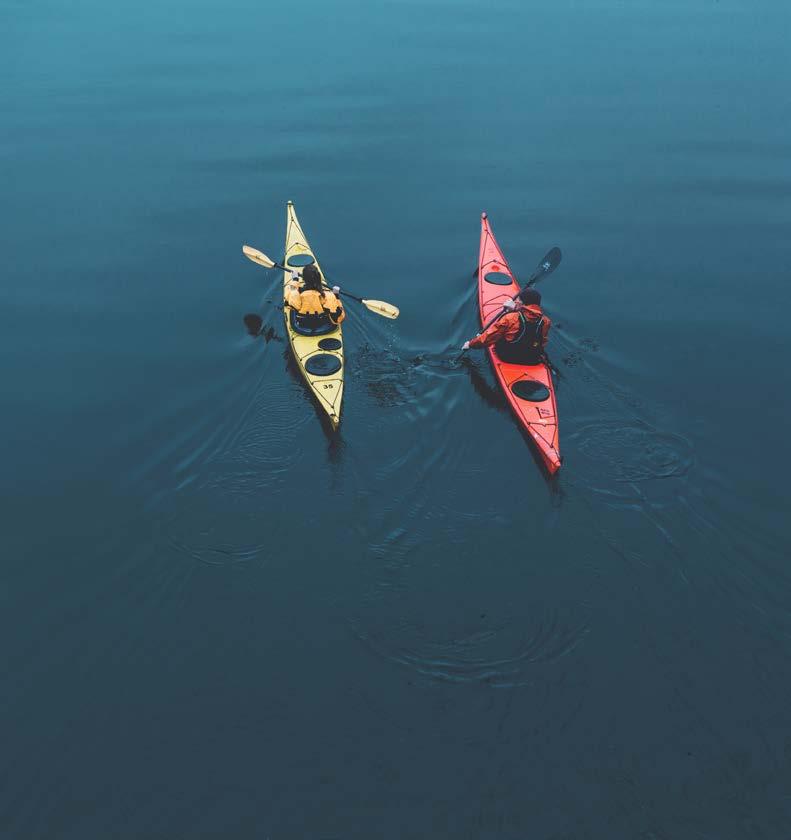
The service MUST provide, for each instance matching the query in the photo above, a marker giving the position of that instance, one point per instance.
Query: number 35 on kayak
(314, 315)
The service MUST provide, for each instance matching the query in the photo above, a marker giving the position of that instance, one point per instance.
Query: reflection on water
(486, 390)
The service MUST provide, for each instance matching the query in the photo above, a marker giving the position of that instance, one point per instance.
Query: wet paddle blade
(381, 307)
(550, 262)
(257, 256)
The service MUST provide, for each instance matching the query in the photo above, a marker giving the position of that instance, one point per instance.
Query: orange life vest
(311, 302)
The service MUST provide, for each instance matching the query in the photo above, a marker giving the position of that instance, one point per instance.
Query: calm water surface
(219, 620)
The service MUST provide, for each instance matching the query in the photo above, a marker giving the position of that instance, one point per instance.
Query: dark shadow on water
(255, 327)
(490, 394)
(253, 324)
(335, 442)
(269, 334)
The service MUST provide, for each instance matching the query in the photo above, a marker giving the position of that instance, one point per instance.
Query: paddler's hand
(509, 304)
(336, 290)
(465, 347)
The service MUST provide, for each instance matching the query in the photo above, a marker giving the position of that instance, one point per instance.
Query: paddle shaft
(544, 358)
(379, 307)
(342, 293)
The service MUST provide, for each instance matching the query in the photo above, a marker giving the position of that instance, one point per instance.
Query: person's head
(311, 278)
(529, 296)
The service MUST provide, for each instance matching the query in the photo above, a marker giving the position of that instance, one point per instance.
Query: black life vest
(526, 346)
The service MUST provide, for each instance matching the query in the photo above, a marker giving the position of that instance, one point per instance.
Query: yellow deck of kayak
(327, 389)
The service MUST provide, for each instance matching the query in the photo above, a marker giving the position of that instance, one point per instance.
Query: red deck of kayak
(539, 419)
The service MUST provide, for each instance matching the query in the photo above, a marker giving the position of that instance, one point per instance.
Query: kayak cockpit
(311, 324)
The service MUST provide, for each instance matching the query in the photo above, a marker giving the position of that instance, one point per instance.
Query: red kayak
(528, 388)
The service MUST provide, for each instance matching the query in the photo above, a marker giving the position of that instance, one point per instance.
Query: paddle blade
(257, 256)
(550, 262)
(381, 307)
(253, 323)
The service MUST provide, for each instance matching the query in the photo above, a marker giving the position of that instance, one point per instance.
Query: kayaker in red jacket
(519, 335)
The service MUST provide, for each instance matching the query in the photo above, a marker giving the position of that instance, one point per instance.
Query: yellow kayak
(319, 357)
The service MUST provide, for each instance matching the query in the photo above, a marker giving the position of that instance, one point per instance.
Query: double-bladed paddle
(380, 307)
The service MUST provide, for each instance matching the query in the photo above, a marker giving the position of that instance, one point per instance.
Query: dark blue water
(217, 619)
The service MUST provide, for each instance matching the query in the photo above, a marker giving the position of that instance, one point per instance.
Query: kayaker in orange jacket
(519, 335)
(311, 302)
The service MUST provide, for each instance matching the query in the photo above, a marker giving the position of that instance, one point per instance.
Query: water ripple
(495, 656)
(630, 451)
